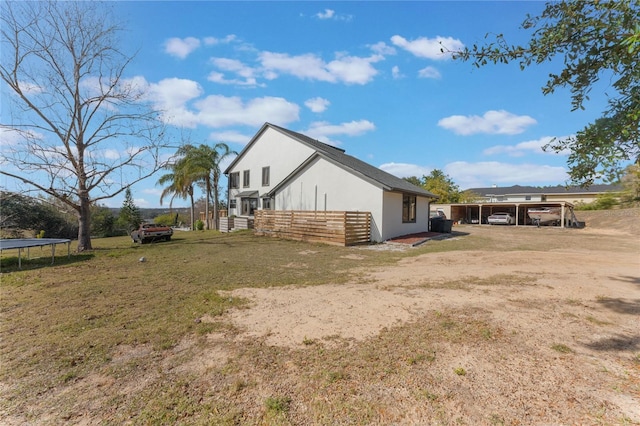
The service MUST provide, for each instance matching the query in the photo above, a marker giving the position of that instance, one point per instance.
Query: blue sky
(368, 77)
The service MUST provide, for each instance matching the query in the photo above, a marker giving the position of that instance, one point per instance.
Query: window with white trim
(409, 208)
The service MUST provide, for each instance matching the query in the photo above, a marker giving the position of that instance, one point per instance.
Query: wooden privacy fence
(331, 227)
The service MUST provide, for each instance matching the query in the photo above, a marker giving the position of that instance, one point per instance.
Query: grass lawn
(63, 322)
(105, 338)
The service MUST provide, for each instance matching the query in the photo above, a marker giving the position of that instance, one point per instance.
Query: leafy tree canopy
(130, 217)
(596, 39)
(23, 216)
(84, 131)
(440, 184)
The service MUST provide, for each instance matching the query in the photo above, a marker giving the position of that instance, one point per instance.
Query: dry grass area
(501, 325)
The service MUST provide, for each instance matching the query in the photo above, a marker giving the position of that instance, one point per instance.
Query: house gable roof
(529, 190)
(338, 157)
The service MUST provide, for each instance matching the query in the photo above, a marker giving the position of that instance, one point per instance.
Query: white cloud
(220, 111)
(12, 137)
(395, 72)
(331, 14)
(523, 148)
(212, 41)
(353, 69)
(30, 88)
(317, 104)
(246, 72)
(234, 65)
(484, 174)
(216, 77)
(181, 48)
(345, 69)
(171, 96)
(306, 66)
(382, 48)
(181, 105)
(322, 130)
(141, 202)
(403, 170)
(326, 14)
(352, 128)
(430, 48)
(111, 154)
(492, 122)
(429, 72)
(230, 137)
(152, 191)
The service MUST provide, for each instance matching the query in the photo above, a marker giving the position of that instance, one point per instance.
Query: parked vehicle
(545, 215)
(151, 232)
(501, 219)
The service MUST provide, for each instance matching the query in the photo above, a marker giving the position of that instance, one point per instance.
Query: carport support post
(562, 216)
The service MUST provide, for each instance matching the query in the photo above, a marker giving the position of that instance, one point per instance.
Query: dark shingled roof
(517, 189)
(338, 155)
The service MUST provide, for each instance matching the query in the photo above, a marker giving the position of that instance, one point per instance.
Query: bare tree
(79, 130)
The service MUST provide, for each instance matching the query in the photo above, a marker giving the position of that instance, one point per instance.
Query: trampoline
(26, 243)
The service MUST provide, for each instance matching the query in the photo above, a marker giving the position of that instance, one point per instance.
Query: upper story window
(266, 203)
(408, 208)
(265, 176)
(245, 178)
(234, 180)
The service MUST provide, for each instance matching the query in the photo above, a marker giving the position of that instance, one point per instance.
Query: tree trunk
(193, 217)
(206, 206)
(216, 207)
(84, 224)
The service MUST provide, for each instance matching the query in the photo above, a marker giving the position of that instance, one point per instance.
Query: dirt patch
(573, 310)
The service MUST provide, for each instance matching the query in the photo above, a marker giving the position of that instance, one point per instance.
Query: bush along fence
(330, 227)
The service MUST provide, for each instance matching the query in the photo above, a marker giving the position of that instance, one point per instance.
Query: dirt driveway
(566, 301)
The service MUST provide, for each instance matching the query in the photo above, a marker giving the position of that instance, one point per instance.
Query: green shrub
(278, 405)
(171, 219)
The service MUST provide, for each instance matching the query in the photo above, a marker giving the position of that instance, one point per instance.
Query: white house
(570, 194)
(284, 170)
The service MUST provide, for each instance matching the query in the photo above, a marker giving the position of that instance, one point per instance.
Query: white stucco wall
(522, 198)
(326, 186)
(392, 213)
(275, 150)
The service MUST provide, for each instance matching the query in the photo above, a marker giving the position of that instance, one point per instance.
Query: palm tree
(197, 165)
(202, 161)
(204, 165)
(222, 151)
(180, 184)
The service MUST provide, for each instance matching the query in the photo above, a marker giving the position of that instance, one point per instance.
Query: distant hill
(149, 214)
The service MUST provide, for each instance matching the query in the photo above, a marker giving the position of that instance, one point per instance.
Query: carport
(477, 213)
